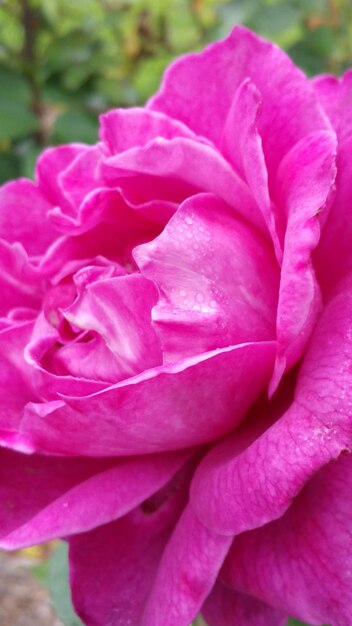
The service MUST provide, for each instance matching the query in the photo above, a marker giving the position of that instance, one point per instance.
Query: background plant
(63, 62)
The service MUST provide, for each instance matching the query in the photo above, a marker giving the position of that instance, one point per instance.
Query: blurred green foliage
(63, 62)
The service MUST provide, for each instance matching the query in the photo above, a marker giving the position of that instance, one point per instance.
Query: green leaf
(59, 586)
(76, 125)
(29, 155)
(16, 120)
(199, 621)
(14, 87)
(148, 75)
(41, 572)
(9, 167)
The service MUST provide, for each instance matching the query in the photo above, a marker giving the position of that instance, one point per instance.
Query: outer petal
(81, 177)
(290, 109)
(243, 485)
(333, 257)
(186, 574)
(122, 129)
(217, 276)
(151, 412)
(305, 183)
(113, 589)
(335, 95)
(302, 563)
(23, 216)
(226, 607)
(51, 163)
(43, 498)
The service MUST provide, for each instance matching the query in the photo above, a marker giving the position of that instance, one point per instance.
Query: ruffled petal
(23, 216)
(131, 222)
(251, 479)
(174, 173)
(122, 129)
(119, 311)
(81, 177)
(20, 282)
(50, 165)
(217, 277)
(45, 379)
(155, 410)
(302, 562)
(69, 254)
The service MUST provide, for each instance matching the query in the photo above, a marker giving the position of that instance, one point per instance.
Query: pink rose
(176, 350)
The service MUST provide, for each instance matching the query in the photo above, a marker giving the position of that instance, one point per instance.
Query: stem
(30, 22)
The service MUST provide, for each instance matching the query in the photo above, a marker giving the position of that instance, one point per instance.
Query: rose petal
(305, 184)
(122, 129)
(226, 607)
(46, 382)
(51, 163)
(81, 176)
(186, 574)
(242, 145)
(17, 315)
(217, 277)
(151, 412)
(46, 497)
(20, 282)
(290, 108)
(111, 207)
(114, 588)
(169, 163)
(335, 95)
(23, 216)
(333, 257)
(73, 253)
(15, 390)
(302, 563)
(243, 485)
(119, 310)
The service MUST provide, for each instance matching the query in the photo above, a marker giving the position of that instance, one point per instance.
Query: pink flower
(176, 350)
